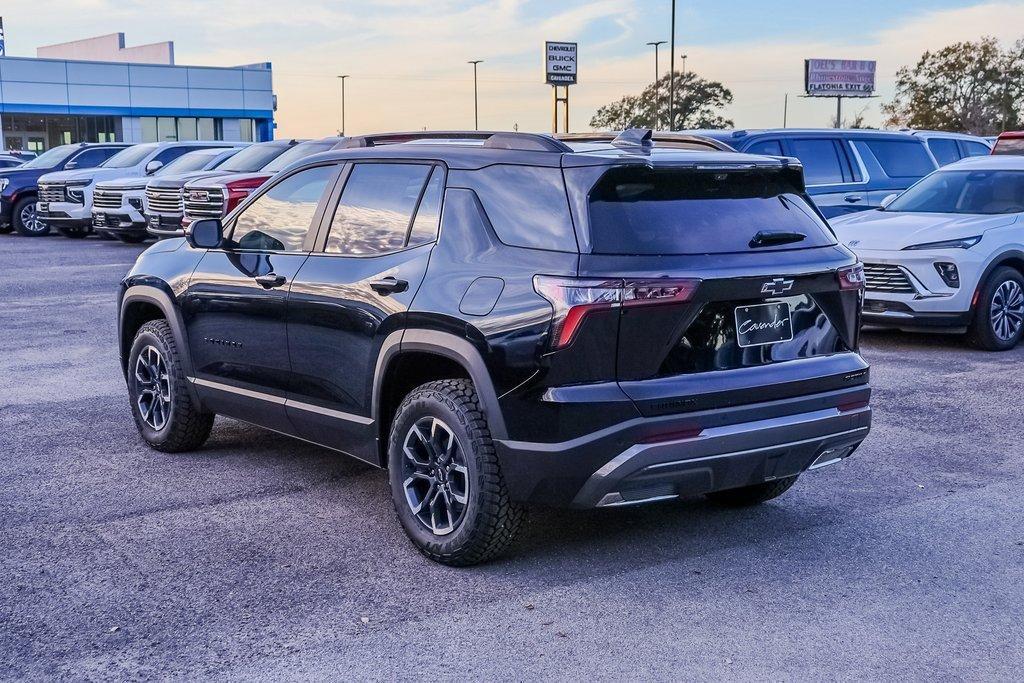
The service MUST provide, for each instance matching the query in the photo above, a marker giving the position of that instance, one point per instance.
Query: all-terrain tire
(187, 425)
(490, 520)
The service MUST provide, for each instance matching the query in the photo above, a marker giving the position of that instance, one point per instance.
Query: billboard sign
(839, 77)
(560, 63)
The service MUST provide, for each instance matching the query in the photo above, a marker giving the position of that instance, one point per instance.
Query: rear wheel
(999, 314)
(26, 220)
(165, 414)
(445, 479)
(752, 495)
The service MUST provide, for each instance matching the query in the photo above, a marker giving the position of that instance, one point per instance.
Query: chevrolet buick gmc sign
(839, 77)
(560, 63)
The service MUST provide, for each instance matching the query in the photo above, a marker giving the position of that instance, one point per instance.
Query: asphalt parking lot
(264, 557)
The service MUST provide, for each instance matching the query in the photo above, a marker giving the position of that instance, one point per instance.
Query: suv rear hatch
(730, 287)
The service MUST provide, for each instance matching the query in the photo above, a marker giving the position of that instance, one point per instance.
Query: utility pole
(839, 111)
(342, 79)
(476, 104)
(785, 109)
(672, 78)
(657, 90)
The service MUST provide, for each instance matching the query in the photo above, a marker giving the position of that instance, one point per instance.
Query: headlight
(4, 182)
(962, 243)
(76, 193)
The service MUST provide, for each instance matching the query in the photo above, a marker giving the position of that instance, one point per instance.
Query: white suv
(948, 254)
(76, 188)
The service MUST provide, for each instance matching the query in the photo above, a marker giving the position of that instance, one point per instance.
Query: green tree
(973, 87)
(698, 102)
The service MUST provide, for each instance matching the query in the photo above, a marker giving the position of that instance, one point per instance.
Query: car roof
(993, 162)
(737, 136)
(1011, 134)
(471, 150)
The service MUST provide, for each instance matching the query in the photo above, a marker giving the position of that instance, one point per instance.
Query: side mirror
(205, 234)
(70, 165)
(154, 166)
(889, 199)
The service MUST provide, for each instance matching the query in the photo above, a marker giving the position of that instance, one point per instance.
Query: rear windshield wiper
(767, 238)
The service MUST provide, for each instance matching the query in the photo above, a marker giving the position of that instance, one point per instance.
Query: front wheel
(26, 220)
(752, 495)
(446, 482)
(999, 314)
(166, 415)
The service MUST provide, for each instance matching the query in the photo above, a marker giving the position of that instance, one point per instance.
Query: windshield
(299, 151)
(640, 211)
(252, 158)
(193, 161)
(130, 156)
(51, 157)
(976, 192)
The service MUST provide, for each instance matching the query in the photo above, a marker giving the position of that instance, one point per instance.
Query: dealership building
(97, 90)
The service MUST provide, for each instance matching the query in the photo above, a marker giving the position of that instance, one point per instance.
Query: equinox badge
(777, 286)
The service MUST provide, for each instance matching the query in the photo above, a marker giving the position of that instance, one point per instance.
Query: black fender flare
(154, 295)
(450, 346)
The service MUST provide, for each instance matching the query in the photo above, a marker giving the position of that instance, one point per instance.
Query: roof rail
(528, 142)
(659, 138)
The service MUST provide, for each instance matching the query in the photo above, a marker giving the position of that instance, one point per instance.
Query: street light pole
(476, 104)
(657, 90)
(342, 79)
(672, 78)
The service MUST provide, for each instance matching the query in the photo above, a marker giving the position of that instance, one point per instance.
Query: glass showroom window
(174, 129)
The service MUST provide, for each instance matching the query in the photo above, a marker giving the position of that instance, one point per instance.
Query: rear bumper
(650, 459)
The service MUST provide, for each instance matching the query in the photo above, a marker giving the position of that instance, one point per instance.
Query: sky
(407, 59)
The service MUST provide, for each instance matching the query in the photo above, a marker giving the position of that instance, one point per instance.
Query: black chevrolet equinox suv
(508, 319)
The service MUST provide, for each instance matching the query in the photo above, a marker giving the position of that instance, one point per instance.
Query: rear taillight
(572, 298)
(851, 277)
(239, 190)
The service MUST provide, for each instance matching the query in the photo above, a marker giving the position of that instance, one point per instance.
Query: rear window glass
(643, 211)
(975, 149)
(769, 147)
(1009, 146)
(901, 159)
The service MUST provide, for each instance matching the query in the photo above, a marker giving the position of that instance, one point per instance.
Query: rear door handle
(388, 285)
(853, 198)
(270, 280)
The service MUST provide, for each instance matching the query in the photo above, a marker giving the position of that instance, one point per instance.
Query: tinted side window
(93, 157)
(901, 159)
(975, 149)
(171, 153)
(526, 205)
(944, 150)
(424, 228)
(769, 147)
(376, 208)
(820, 158)
(280, 218)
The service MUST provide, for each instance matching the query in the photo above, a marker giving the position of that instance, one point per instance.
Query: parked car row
(101, 188)
(854, 170)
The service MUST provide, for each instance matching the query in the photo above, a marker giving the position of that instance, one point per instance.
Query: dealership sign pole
(560, 72)
(839, 78)
(3, 53)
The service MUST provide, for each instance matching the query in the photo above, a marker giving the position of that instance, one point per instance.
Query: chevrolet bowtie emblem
(777, 286)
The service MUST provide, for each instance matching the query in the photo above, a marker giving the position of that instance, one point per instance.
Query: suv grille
(164, 201)
(204, 203)
(51, 193)
(106, 199)
(882, 277)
